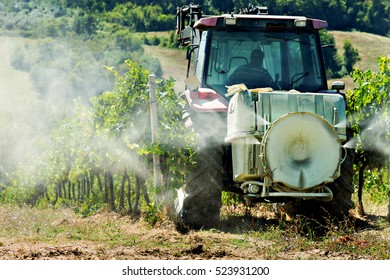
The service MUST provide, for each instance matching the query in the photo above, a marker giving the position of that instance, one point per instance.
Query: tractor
(269, 128)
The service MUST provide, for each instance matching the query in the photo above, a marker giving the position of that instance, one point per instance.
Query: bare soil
(30, 234)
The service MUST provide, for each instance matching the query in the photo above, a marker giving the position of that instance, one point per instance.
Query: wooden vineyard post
(154, 130)
(388, 182)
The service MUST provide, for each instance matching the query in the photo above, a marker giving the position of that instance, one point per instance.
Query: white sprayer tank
(293, 138)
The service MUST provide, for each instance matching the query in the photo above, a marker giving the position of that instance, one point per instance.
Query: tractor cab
(290, 46)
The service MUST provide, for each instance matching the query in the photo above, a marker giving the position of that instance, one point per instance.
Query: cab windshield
(291, 59)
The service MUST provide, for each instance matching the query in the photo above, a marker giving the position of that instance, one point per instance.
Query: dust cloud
(374, 136)
(35, 98)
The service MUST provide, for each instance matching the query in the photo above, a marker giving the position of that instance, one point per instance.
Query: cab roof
(261, 21)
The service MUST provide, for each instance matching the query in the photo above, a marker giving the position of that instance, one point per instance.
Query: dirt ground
(28, 234)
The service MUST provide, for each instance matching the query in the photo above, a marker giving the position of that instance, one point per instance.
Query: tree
(377, 18)
(85, 24)
(332, 60)
(351, 55)
(335, 11)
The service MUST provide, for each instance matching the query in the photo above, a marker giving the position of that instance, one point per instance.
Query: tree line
(154, 15)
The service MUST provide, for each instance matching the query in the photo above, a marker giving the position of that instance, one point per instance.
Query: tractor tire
(342, 190)
(198, 203)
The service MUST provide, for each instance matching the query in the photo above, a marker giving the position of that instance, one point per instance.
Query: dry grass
(30, 233)
(369, 46)
(15, 86)
(173, 62)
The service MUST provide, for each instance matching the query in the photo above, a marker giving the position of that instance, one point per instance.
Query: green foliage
(152, 214)
(367, 16)
(100, 155)
(351, 55)
(141, 18)
(124, 112)
(377, 185)
(119, 109)
(368, 115)
(85, 24)
(167, 40)
(85, 16)
(87, 209)
(369, 108)
(231, 199)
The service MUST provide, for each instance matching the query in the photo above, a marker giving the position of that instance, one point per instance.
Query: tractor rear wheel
(198, 203)
(343, 189)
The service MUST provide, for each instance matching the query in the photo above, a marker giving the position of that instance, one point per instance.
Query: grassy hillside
(21, 112)
(173, 63)
(14, 85)
(369, 46)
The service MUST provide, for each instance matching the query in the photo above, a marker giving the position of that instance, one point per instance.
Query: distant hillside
(14, 84)
(173, 63)
(21, 112)
(369, 46)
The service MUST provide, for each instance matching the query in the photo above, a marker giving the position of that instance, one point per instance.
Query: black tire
(342, 189)
(198, 203)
